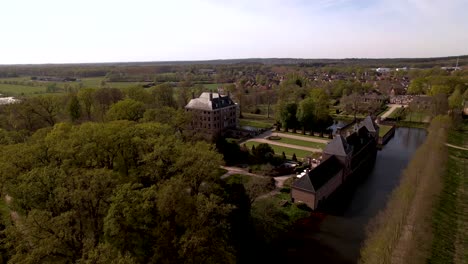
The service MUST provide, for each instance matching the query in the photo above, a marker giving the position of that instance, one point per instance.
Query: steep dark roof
(320, 175)
(204, 102)
(338, 146)
(359, 138)
(369, 124)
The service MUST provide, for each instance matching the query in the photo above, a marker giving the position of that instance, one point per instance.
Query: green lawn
(303, 143)
(238, 178)
(254, 123)
(384, 130)
(417, 117)
(287, 151)
(300, 135)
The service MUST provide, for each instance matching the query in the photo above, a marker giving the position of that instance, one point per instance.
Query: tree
(105, 97)
(455, 100)
(417, 86)
(350, 103)
(46, 107)
(257, 186)
(163, 95)
(86, 98)
(74, 108)
(286, 115)
(127, 109)
(305, 114)
(263, 153)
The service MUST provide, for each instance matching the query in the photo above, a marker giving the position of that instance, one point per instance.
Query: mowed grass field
(307, 135)
(257, 121)
(298, 142)
(300, 154)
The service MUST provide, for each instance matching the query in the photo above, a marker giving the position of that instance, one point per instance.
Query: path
(237, 170)
(279, 181)
(457, 147)
(393, 107)
(272, 142)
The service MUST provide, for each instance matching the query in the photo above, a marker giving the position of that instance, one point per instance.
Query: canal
(335, 234)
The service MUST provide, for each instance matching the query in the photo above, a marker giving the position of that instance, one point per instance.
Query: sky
(65, 31)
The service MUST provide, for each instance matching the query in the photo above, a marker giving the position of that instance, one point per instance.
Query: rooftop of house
(369, 124)
(319, 176)
(338, 146)
(210, 101)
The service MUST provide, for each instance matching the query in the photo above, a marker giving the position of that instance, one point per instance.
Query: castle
(343, 156)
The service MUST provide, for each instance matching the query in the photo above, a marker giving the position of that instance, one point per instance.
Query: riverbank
(403, 231)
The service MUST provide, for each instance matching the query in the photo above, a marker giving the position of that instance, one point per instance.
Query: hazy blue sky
(56, 31)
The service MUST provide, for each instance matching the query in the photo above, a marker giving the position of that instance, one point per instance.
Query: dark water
(335, 234)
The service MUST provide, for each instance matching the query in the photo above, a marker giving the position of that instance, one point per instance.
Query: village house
(342, 157)
(212, 113)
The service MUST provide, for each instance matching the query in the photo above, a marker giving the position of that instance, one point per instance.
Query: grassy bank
(450, 217)
(402, 232)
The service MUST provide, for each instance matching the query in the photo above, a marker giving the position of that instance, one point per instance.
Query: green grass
(449, 219)
(384, 130)
(255, 123)
(383, 110)
(417, 117)
(307, 135)
(287, 151)
(19, 90)
(238, 179)
(293, 211)
(303, 143)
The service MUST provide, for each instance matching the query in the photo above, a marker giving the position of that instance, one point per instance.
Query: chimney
(211, 95)
(193, 95)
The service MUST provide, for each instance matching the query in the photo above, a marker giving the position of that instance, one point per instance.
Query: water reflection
(335, 235)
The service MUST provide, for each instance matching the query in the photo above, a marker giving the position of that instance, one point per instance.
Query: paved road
(393, 107)
(457, 147)
(273, 142)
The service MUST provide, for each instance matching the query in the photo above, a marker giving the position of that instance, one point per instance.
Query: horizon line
(231, 59)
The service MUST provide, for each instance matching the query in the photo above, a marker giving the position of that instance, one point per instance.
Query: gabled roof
(369, 124)
(338, 146)
(204, 102)
(319, 176)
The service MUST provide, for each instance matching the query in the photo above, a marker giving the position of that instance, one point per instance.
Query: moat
(335, 234)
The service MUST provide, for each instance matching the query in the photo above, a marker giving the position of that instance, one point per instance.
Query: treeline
(124, 192)
(160, 103)
(401, 233)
